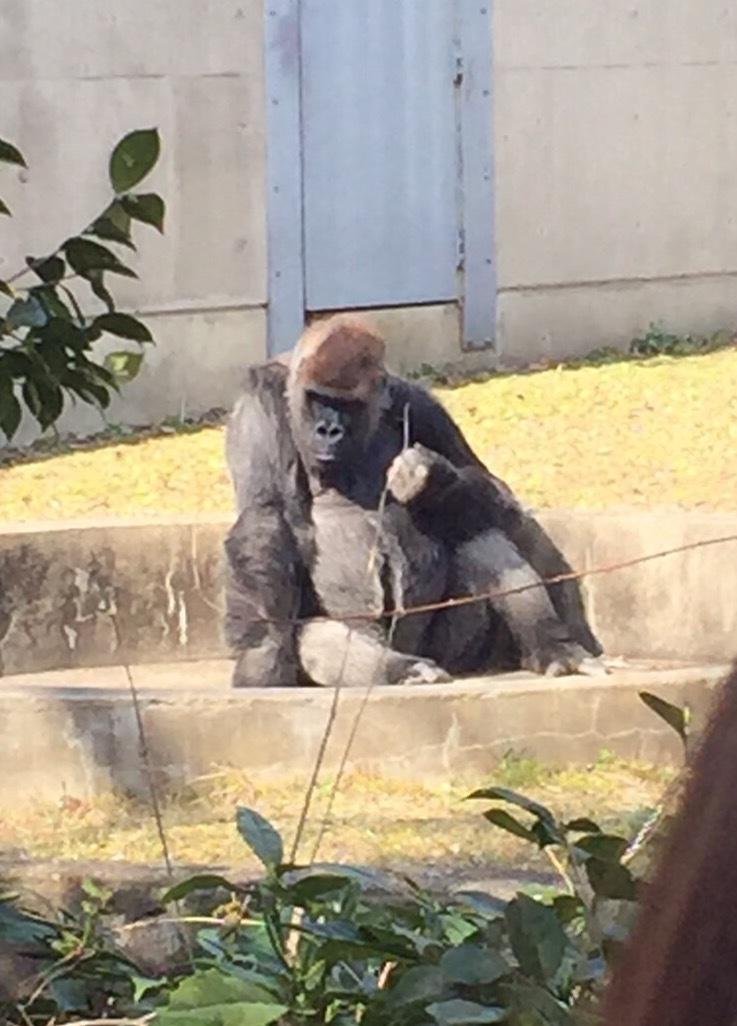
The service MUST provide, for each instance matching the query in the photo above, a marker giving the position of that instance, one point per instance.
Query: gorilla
(357, 493)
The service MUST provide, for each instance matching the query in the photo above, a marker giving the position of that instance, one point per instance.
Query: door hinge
(458, 76)
(460, 249)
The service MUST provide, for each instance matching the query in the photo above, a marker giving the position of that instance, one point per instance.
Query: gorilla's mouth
(325, 457)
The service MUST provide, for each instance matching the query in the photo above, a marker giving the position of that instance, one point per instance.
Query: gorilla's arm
(460, 498)
(265, 577)
(452, 496)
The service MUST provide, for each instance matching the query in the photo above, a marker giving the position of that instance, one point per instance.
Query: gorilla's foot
(424, 671)
(564, 659)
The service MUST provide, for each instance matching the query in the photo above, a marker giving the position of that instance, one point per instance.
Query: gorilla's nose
(330, 433)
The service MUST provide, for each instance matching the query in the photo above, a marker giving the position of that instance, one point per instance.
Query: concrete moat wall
(163, 581)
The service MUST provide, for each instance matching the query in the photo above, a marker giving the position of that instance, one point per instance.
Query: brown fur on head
(341, 356)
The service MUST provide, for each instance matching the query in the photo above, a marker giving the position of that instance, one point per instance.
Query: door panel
(380, 152)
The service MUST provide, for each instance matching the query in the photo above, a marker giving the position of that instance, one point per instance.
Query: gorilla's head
(336, 382)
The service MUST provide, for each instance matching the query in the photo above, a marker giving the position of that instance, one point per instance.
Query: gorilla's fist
(409, 473)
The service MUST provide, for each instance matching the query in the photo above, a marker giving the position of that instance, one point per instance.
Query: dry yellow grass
(646, 432)
(375, 821)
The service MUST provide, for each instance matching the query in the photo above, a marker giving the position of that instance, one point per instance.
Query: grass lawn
(653, 432)
(375, 821)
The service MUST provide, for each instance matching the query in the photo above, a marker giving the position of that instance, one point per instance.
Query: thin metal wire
(486, 596)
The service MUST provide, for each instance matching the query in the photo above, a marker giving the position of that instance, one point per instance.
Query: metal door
(379, 152)
(379, 162)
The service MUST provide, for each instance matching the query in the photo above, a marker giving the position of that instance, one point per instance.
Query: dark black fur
(306, 528)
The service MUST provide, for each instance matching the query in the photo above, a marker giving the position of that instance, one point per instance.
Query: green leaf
(123, 365)
(607, 847)
(210, 998)
(26, 313)
(15, 364)
(84, 256)
(457, 1012)
(4, 208)
(10, 408)
(63, 333)
(482, 903)
(50, 270)
(582, 826)
(88, 390)
(567, 907)
(674, 716)
(316, 887)
(502, 819)
(105, 228)
(124, 326)
(473, 965)
(199, 882)
(97, 284)
(43, 398)
(261, 837)
(503, 794)
(147, 207)
(420, 983)
(10, 154)
(73, 300)
(537, 937)
(532, 1005)
(611, 880)
(133, 158)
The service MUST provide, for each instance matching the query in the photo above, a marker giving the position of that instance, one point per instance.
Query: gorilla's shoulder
(270, 377)
(423, 406)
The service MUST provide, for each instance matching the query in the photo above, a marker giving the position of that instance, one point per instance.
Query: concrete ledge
(58, 737)
(59, 584)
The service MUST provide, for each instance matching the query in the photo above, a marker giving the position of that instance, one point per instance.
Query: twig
(372, 684)
(145, 757)
(307, 801)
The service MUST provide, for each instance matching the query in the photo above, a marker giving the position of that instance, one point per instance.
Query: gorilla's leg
(491, 562)
(548, 561)
(334, 653)
(262, 584)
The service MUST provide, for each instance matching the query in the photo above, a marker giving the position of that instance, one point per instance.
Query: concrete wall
(57, 740)
(59, 586)
(74, 78)
(615, 156)
(615, 184)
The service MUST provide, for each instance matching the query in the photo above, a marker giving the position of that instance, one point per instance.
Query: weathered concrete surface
(595, 236)
(73, 82)
(682, 606)
(91, 596)
(60, 585)
(58, 738)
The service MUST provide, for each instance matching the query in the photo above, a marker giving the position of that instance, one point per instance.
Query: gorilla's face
(335, 432)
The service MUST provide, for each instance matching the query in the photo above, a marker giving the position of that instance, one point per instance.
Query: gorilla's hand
(409, 473)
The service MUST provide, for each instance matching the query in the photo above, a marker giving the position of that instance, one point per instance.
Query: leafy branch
(47, 341)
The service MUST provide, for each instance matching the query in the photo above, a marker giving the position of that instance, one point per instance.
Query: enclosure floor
(215, 674)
